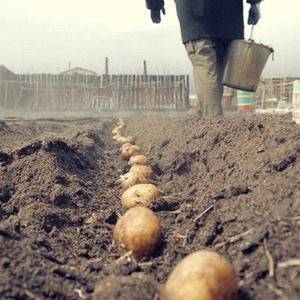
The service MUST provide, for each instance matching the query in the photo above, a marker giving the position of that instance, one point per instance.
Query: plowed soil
(229, 184)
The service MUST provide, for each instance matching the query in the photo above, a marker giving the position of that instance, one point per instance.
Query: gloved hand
(254, 14)
(155, 15)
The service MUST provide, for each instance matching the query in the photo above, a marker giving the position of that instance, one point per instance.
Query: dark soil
(231, 185)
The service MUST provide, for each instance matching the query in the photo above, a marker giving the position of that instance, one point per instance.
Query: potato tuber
(130, 179)
(142, 193)
(138, 230)
(121, 123)
(125, 139)
(127, 152)
(138, 159)
(126, 145)
(146, 170)
(116, 130)
(117, 136)
(201, 275)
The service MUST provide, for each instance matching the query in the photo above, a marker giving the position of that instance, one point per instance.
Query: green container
(244, 101)
(296, 101)
(296, 87)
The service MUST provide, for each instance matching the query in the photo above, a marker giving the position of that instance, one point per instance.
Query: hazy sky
(45, 35)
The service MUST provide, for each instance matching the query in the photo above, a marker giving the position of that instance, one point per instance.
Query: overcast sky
(45, 35)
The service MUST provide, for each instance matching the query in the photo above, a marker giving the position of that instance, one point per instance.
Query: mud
(229, 184)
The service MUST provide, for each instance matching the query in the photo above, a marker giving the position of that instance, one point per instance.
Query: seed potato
(127, 152)
(125, 139)
(138, 159)
(125, 145)
(142, 193)
(117, 136)
(202, 275)
(116, 130)
(130, 179)
(146, 170)
(138, 230)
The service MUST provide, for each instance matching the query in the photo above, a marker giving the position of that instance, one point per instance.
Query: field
(229, 184)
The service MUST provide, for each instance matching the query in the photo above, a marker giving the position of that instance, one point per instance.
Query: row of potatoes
(201, 275)
(139, 229)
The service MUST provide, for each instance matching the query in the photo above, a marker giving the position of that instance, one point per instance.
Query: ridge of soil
(231, 185)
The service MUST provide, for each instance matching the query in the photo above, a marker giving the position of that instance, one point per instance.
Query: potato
(121, 123)
(127, 152)
(117, 136)
(138, 159)
(116, 130)
(201, 275)
(138, 230)
(125, 139)
(146, 170)
(142, 193)
(126, 145)
(130, 179)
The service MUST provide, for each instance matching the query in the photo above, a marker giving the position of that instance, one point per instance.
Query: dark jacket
(205, 19)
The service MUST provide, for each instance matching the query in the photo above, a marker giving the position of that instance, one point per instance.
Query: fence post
(106, 66)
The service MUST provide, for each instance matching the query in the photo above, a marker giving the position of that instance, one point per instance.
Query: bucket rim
(252, 42)
(239, 87)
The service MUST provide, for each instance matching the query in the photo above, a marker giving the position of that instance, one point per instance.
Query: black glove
(155, 15)
(254, 14)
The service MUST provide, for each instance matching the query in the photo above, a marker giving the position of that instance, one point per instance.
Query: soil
(229, 184)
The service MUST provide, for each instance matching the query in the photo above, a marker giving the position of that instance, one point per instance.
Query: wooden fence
(80, 92)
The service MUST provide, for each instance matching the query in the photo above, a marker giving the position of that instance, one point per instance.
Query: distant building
(78, 70)
(5, 73)
(276, 88)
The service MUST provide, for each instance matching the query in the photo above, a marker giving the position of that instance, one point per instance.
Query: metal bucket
(245, 63)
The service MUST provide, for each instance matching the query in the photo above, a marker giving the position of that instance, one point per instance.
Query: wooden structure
(269, 92)
(78, 91)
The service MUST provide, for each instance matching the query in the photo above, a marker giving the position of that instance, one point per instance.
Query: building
(275, 89)
(5, 73)
(80, 71)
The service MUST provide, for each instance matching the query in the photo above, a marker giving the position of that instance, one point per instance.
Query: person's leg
(203, 56)
(221, 50)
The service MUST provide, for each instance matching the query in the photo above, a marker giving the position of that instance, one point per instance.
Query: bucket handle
(251, 39)
(251, 33)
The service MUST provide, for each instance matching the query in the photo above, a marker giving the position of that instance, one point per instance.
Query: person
(207, 27)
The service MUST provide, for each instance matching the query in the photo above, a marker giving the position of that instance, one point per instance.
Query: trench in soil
(229, 185)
